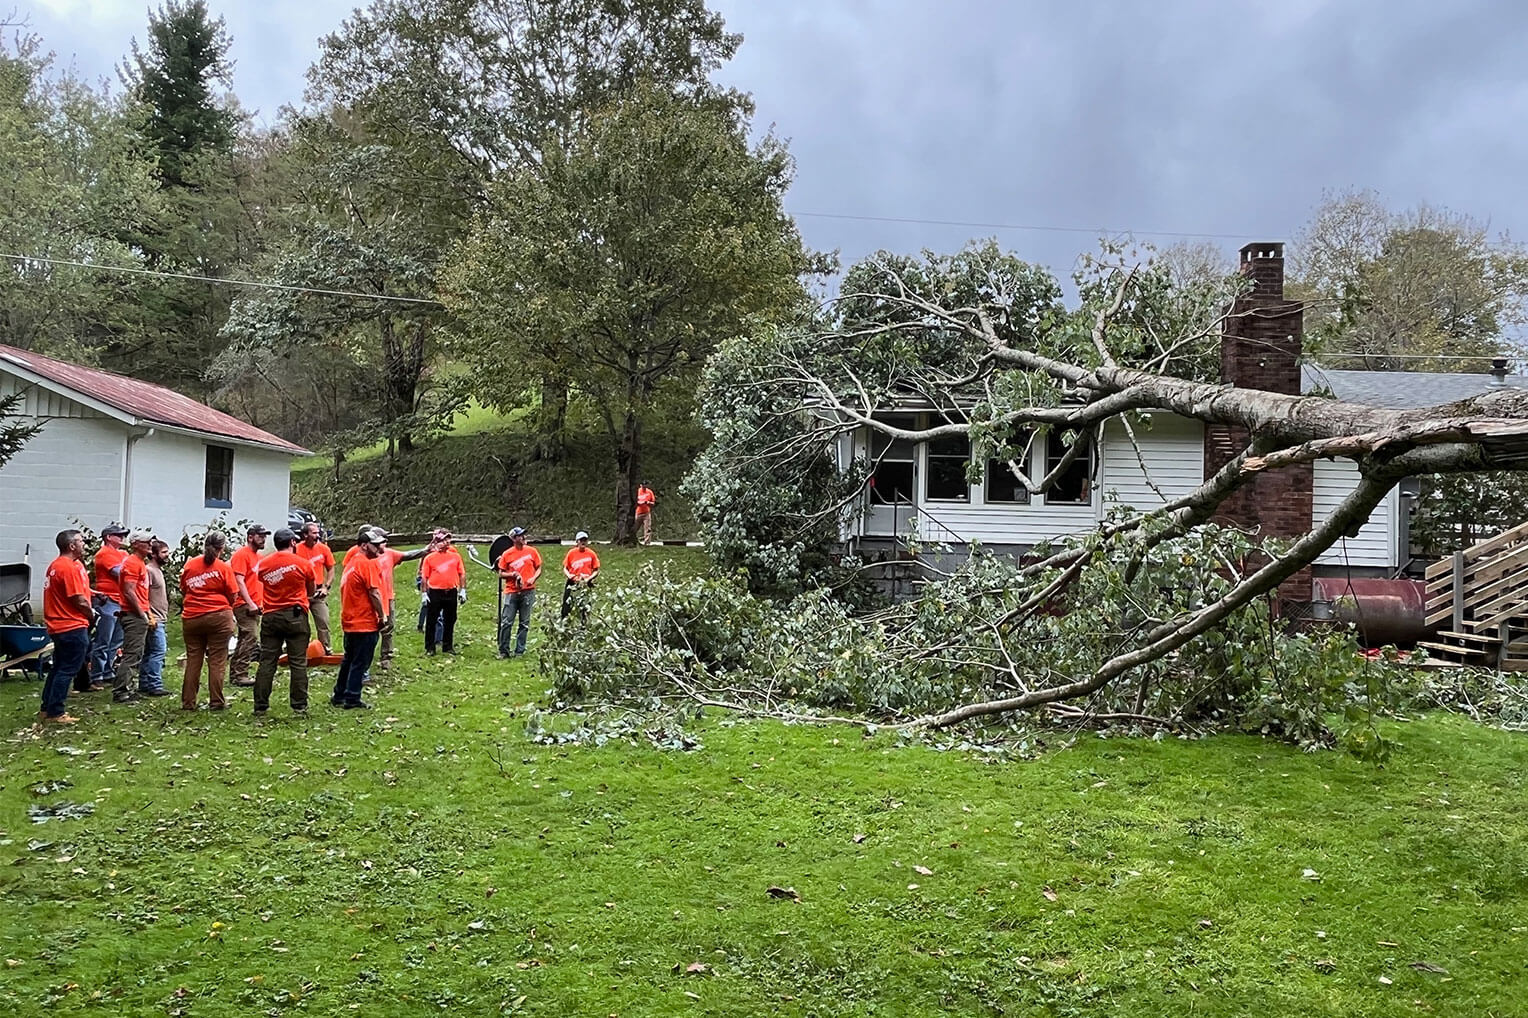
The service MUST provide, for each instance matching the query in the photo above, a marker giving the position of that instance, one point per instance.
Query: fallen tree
(981, 344)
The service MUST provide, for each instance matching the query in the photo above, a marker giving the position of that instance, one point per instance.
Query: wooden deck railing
(1481, 587)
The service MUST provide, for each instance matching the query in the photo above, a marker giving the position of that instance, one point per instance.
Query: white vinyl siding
(1172, 449)
(1377, 543)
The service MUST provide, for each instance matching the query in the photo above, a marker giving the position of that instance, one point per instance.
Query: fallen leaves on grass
(784, 893)
(1427, 966)
(694, 968)
(1050, 895)
(923, 871)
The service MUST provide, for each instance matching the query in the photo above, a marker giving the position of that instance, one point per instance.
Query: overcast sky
(1211, 117)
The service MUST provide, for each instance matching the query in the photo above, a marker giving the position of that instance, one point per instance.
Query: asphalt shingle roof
(1401, 390)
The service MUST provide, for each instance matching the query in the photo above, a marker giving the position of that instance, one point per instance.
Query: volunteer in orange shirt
(387, 561)
(646, 500)
(286, 588)
(108, 602)
(519, 567)
(136, 618)
(445, 578)
(361, 612)
(66, 613)
(581, 565)
(246, 610)
(321, 559)
(208, 593)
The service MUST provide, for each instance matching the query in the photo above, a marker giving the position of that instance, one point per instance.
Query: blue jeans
(108, 640)
(151, 672)
(359, 650)
(69, 652)
(517, 605)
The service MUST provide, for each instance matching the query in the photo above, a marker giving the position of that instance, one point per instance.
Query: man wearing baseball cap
(246, 611)
(106, 567)
(286, 588)
(361, 612)
(581, 565)
(136, 618)
(520, 567)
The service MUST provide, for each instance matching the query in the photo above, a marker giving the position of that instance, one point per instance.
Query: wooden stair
(1480, 596)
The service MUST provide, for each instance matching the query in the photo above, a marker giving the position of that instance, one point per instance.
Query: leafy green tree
(1417, 290)
(448, 94)
(623, 257)
(76, 185)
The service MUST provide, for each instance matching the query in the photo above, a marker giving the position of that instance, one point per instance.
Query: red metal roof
(153, 404)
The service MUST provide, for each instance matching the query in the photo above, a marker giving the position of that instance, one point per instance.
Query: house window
(1074, 487)
(947, 460)
(219, 477)
(1002, 486)
(891, 483)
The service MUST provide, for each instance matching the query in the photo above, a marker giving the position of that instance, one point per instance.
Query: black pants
(442, 607)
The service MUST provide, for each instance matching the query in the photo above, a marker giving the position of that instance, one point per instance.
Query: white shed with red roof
(118, 450)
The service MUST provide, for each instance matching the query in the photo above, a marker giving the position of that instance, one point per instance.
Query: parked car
(297, 518)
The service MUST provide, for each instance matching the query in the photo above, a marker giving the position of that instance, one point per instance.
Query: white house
(924, 489)
(115, 449)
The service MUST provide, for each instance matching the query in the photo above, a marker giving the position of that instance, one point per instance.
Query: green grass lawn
(426, 856)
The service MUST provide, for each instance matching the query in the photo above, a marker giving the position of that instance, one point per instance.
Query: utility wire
(1094, 230)
(223, 280)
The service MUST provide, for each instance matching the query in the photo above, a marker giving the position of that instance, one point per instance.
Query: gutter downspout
(134, 436)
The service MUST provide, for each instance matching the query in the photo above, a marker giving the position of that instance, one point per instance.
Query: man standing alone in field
(321, 559)
(246, 613)
(66, 612)
(646, 500)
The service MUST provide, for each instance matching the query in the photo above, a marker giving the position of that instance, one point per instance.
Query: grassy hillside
(480, 479)
(437, 855)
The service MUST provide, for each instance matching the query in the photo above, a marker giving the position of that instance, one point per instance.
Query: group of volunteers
(108, 624)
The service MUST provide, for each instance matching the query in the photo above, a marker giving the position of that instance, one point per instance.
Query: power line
(223, 280)
(1093, 230)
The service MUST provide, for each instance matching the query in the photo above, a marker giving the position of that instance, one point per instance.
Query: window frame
(965, 465)
(1088, 463)
(224, 476)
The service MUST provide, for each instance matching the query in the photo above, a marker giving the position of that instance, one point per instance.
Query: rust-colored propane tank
(1384, 611)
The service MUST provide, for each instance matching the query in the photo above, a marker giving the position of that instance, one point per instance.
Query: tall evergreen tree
(186, 55)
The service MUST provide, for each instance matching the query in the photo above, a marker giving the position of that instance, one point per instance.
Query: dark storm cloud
(1227, 117)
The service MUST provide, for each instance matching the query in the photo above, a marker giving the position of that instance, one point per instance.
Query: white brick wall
(74, 468)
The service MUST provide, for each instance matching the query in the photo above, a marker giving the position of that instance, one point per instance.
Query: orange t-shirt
(387, 560)
(65, 578)
(207, 589)
(357, 615)
(246, 563)
(107, 559)
(524, 561)
(283, 581)
(645, 501)
(319, 557)
(581, 562)
(443, 570)
(135, 576)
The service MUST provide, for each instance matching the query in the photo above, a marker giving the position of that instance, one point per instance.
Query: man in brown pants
(286, 587)
(246, 611)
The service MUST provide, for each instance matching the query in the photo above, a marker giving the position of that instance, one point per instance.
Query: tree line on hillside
(534, 205)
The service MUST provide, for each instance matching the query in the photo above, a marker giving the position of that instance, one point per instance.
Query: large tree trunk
(628, 461)
(551, 420)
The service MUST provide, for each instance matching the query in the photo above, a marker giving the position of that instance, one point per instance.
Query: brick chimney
(1260, 349)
